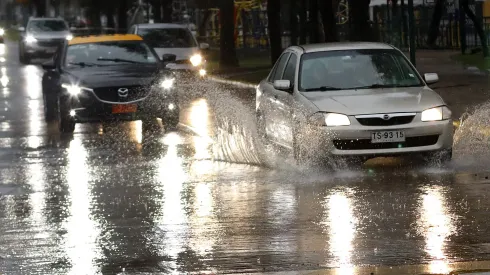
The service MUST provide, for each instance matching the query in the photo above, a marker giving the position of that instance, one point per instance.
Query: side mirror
(21, 29)
(169, 58)
(283, 85)
(49, 65)
(431, 78)
(204, 46)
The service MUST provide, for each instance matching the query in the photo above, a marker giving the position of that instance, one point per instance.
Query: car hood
(49, 35)
(110, 76)
(181, 53)
(375, 101)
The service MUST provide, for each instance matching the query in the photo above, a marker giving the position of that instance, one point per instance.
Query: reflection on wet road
(110, 199)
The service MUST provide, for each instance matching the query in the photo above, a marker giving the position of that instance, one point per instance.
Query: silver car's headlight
(196, 60)
(436, 114)
(69, 37)
(333, 119)
(2, 31)
(30, 39)
(330, 119)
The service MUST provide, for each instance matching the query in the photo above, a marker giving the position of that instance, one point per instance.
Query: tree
(293, 21)
(228, 56)
(302, 22)
(122, 9)
(167, 11)
(40, 7)
(157, 10)
(95, 7)
(329, 23)
(274, 25)
(477, 24)
(204, 5)
(108, 9)
(435, 22)
(360, 28)
(314, 22)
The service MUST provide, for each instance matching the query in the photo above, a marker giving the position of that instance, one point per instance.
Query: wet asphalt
(110, 199)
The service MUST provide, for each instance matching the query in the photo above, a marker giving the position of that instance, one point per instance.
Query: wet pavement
(207, 199)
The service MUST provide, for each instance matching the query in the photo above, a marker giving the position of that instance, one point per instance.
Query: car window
(350, 69)
(131, 30)
(290, 68)
(279, 67)
(168, 38)
(46, 26)
(109, 53)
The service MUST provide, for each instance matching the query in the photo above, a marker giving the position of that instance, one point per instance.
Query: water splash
(472, 138)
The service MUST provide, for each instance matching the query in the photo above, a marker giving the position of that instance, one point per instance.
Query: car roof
(104, 38)
(337, 46)
(161, 26)
(46, 19)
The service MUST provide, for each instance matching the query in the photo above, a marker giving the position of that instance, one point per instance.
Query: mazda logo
(123, 92)
(386, 117)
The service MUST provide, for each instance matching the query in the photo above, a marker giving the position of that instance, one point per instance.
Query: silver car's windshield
(356, 69)
(47, 26)
(168, 38)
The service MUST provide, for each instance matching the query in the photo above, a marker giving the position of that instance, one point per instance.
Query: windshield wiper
(376, 86)
(119, 60)
(82, 64)
(323, 89)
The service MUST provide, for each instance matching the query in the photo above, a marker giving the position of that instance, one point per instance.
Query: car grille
(112, 94)
(376, 121)
(365, 144)
(50, 42)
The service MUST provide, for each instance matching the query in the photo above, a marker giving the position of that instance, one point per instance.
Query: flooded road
(112, 200)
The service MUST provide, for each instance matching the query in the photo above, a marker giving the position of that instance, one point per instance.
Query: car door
(284, 103)
(269, 110)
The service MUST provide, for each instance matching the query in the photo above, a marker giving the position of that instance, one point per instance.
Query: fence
(449, 34)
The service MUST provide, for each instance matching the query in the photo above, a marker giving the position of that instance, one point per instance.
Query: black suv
(107, 78)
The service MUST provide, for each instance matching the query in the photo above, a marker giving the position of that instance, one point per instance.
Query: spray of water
(237, 138)
(472, 138)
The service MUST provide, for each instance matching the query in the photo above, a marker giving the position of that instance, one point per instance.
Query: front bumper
(86, 107)
(34, 49)
(420, 137)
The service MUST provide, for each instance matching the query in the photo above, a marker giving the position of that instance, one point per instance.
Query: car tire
(24, 57)
(446, 156)
(50, 107)
(66, 122)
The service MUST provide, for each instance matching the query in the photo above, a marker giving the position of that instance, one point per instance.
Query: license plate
(124, 108)
(387, 136)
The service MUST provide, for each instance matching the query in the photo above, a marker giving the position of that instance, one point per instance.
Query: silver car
(174, 39)
(358, 100)
(42, 37)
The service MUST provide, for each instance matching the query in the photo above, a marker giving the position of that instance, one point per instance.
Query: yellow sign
(104, 38)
